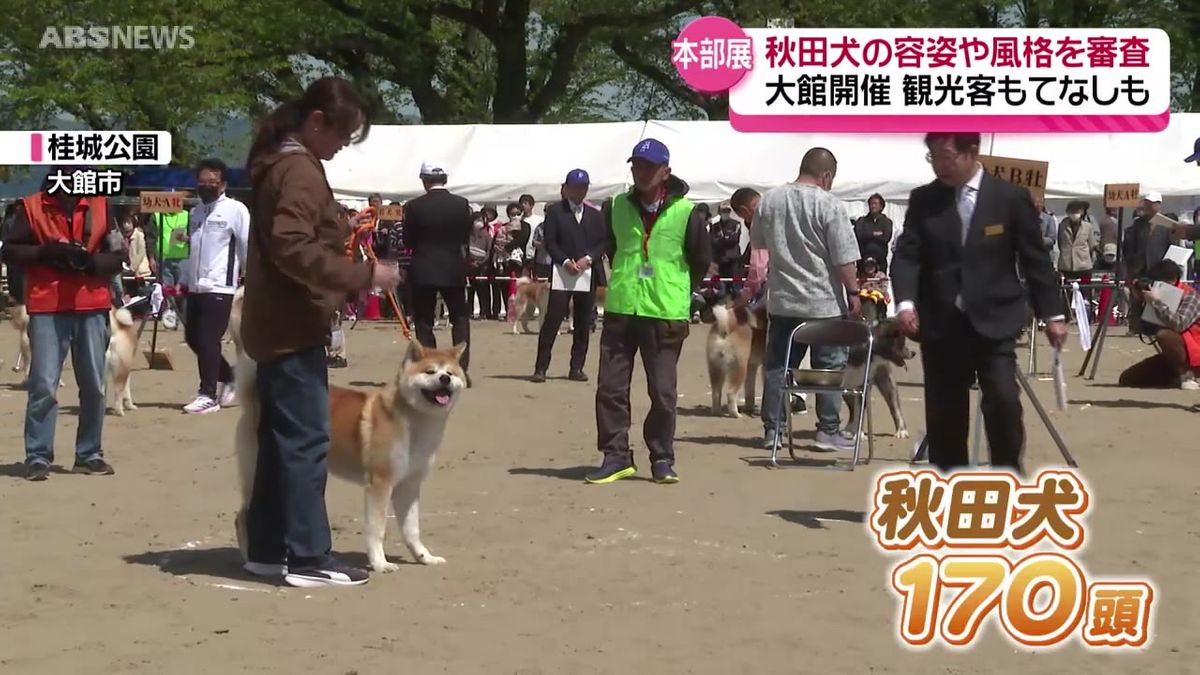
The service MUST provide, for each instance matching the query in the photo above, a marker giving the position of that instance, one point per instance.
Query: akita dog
(385, 440)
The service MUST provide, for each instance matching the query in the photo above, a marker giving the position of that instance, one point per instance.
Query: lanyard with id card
(646, 271)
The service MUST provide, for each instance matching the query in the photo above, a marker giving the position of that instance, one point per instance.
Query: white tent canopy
(498, 163)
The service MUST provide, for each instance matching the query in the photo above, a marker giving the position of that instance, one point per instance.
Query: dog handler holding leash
(660, 250)
(297, 274)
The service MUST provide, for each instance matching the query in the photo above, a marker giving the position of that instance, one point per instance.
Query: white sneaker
(1190, 384)
(227, 395)
(202, 406)
(837, 441)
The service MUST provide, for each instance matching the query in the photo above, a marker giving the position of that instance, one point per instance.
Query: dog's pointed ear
(459, 350)
(416, 351)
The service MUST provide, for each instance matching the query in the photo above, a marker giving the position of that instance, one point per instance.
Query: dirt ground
(739, 568)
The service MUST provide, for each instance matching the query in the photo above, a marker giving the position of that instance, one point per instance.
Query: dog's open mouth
(438, 397)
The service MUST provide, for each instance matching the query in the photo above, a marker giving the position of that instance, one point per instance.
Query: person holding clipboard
(574, 238)
(660, 250)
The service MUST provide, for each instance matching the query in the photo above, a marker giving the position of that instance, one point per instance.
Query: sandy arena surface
(739, 568)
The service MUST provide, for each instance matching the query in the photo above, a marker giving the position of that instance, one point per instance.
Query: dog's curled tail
(123, 316)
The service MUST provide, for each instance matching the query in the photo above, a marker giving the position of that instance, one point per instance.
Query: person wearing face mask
(813, 275)
(1078, 243)
(575, 240)
(219, 229)
(479, 256)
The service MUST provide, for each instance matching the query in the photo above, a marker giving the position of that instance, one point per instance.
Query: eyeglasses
(944, 156)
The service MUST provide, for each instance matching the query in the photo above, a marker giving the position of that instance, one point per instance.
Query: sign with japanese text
(944, 79)
(161, 202)
(1120, 195)
(108, 148)
(1028, 173)
(985, 546)
(391, 212)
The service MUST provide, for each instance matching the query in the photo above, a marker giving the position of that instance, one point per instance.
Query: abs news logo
(117, 37)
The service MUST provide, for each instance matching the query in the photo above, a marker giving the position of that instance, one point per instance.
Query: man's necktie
(966, 208)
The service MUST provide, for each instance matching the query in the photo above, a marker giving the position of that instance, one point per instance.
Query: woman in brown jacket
(297, 273)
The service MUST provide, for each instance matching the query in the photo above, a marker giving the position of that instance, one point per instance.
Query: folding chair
(830, 333)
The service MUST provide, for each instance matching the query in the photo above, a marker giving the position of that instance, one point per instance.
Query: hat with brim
(1195, 152)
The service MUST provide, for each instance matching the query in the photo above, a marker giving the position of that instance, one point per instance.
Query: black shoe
(331, 573)
(36, 469)
(538, 377)
(577, 376)
(95, 466)
(612, 470)
(337, 362)
(664, 473)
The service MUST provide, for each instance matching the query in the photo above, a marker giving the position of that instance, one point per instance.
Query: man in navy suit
(955, 267)
(575, 240)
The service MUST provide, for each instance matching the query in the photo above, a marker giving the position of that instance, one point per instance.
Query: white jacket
(219, 234)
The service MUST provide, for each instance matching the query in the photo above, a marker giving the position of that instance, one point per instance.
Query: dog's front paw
(385, 567)
(902, 433)
(430, 559)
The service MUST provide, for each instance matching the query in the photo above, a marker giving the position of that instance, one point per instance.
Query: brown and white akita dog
(385, 440)
(737, 343)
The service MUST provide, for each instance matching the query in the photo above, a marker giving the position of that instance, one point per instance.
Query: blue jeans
(779, 332)
(85, 334)
(286, 518)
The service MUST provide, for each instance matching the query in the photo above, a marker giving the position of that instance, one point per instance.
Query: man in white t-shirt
(812, 275)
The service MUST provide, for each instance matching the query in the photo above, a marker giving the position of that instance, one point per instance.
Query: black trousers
(951, 365)
(424, 306)
(659, 342)
(483, 291)
(286, 515)
(556, 311)
(207, 319)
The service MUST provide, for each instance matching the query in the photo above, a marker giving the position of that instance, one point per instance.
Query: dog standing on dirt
(737, 343)
(385, 440)
(118, 360)
(890, 349)
(531, 295)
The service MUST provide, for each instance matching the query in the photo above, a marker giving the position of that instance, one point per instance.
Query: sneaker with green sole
(664, 473)
(612, 470)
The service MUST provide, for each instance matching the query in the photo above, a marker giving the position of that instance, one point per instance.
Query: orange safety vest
(1191, 335)
(49, 290)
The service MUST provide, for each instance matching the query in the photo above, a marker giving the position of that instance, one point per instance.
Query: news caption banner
(81, 158)
(886, 80)
(980, 546)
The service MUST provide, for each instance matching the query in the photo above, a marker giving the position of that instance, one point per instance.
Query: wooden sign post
(160, 202)
(1028, 173)
(1120, 195)
(391, 212)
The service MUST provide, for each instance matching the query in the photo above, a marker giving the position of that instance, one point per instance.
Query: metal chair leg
(791, 444)
(977, 444)
(870, 436)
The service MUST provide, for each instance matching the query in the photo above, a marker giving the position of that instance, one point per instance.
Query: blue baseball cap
(1195, 152)
(652, 151)
(577, 177)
